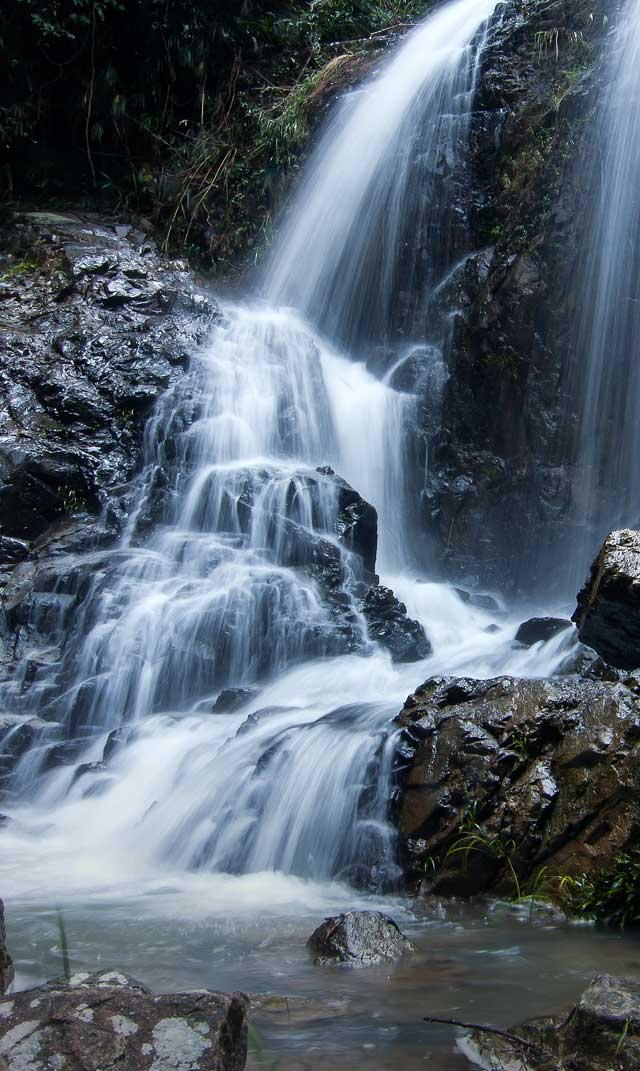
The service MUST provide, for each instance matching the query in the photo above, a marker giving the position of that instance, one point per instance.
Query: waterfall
(607, 490)
(237, 568)
(383, 176)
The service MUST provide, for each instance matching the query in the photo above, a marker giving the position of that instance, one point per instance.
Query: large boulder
(6, 964)
(79, 298)
(362, 938)
(601, 1032)
(108, 1019)
(539, 772)
(608, 613)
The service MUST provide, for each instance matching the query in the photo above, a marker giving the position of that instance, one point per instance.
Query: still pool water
(485, 963)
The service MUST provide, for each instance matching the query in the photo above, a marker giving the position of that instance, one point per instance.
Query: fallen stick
(489, 1030)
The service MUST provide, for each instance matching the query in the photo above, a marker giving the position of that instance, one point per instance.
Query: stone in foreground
(608, 613)
(362, 938)
(107, 1019)
(601, 1032)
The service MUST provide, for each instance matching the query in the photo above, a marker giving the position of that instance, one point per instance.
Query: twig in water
(489, 1030)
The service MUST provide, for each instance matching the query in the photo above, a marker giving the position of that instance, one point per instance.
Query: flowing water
(607, 494)
(210, 844)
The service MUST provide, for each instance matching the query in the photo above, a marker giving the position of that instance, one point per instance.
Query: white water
(216, 595)
(381, 175)
(607, 494)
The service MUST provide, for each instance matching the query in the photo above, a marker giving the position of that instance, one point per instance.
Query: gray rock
(362, 938)
(108, 1019)
(608, 612)
(6, 964)
(600, 1033)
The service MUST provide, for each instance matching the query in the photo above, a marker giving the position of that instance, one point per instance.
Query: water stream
(210, 844)
(607, 378)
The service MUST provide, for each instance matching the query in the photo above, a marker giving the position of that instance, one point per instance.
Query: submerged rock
(608, 613)
(598, 1034)
(359, 937)
(540, 629)
(6, 964)
(108, 1019)
(546, 772)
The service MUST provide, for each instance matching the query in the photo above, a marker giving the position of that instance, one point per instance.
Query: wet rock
(108, 1019)
(599, 1033)
(357, 525)
(78, 377)
(500, 494)
(389, 624)
(478, 599)
(116, 740)
(608, 612)
(540, 629)
(69, 433)
(549, 767)
(361, 938)
(232, 699)
(6, 965)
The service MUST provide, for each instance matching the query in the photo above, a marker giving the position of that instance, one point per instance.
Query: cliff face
(499, 484)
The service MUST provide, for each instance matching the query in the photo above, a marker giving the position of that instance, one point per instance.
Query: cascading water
(383, 176)
(607, 491)
(218, 581)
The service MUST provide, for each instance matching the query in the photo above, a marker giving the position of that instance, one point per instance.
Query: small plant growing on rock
(611, 896)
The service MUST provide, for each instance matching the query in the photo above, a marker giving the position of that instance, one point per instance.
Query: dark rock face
(599, 1033)
(540, 629)
(499, 493)
(6, 964)
(107, 1019)
(608, 613)
(91, 333)
(362, 938)
(357, 526)
(389, 624)
(549, 768)
(232, 699)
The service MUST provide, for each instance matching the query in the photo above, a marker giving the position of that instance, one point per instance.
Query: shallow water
(481, 963)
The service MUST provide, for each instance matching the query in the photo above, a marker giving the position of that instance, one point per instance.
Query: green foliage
(611, 895)
(189, 112)
(54, 20)
(72, 500)
(475, 838)
(20, 268)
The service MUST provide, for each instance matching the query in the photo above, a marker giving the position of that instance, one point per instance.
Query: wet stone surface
(548, 767)
(598, 1034)
(361, 938)
(107, 1019)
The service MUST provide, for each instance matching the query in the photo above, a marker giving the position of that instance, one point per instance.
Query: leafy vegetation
(611, 895)
(188, 111)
